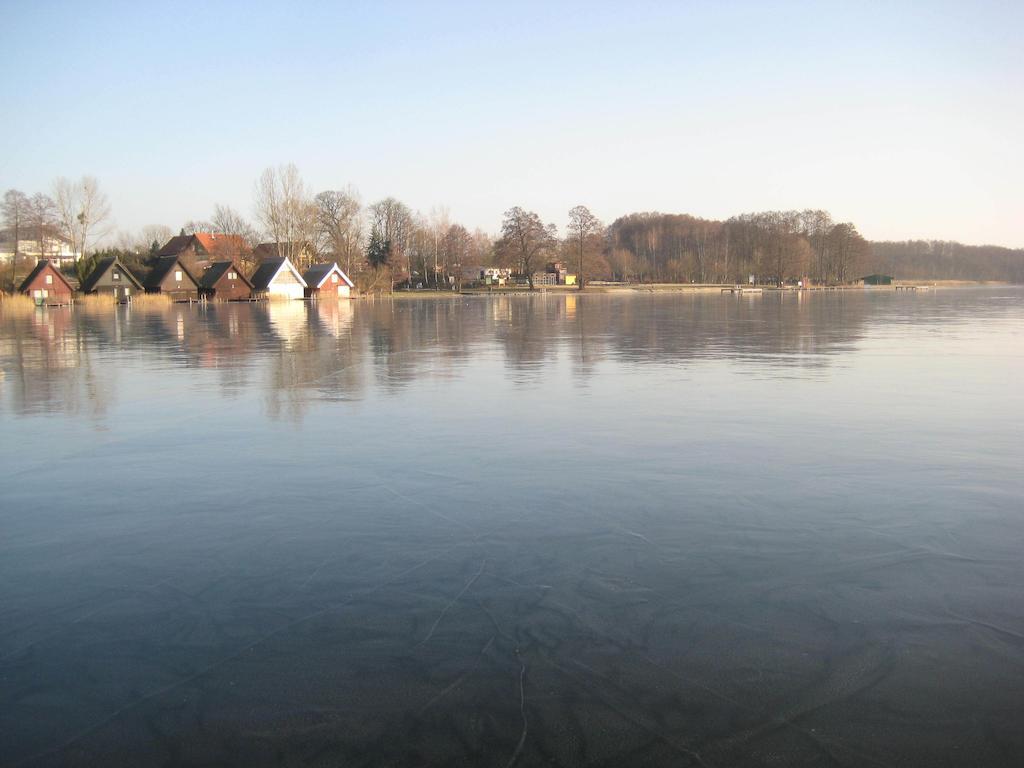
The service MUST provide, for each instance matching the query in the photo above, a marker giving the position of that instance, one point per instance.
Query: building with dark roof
(327, 280)
(170, 278)
(278, 278)
(224, 280)
(300, 252)
(111, 277)
(876, 280)
(45, 283)
(204, 245)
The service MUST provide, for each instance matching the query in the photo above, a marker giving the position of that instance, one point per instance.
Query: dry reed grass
(144, 302)
(94, 302)
(151, 302)
(17, 304)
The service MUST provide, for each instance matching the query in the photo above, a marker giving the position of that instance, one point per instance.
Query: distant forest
(786, 245)
(947, 260)
(388, 243)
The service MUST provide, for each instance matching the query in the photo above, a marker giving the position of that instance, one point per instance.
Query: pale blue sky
(904, 118)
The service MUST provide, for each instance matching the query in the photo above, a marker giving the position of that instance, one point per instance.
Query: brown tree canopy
(525, 240)
(773, 246)
(943, 260)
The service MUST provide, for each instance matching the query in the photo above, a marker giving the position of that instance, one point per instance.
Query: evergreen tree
(378, 252)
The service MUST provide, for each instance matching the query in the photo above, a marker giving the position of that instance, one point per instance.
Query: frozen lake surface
(567, 530)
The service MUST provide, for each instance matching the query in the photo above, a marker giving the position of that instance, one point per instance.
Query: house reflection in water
(296, 352)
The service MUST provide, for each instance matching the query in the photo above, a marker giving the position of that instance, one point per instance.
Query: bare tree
(227, 221)
(144, 243)
(440, 224)
(394, 223)
(243, 237)
(456, 248)
(286, 210)
(339, 225)
(192, 226)
(525, 239)
(154, 235)
(16, 211)
(849, 251)
(83, 214)
(422, 250)
(815, 225)
(42, 220)
(582, 226)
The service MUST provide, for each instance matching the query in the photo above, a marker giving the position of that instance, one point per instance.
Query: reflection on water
(62, 362)
(659, 530)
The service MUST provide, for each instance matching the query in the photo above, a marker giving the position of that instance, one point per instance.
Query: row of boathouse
(220, 280)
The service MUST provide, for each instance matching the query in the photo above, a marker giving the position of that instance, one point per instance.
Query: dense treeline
(944, 260)
(387, 243)
(773, 246)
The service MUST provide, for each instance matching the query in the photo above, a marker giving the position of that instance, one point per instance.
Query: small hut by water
(224, 281)
(111, 277)
(47, 284)
(876, 280)
(170, 278)
(327, 280)
(278, 279)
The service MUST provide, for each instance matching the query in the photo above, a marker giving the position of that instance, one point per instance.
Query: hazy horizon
(899, 119)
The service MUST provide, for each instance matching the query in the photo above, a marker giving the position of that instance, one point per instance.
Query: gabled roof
(162, 268)
(40, 266)
(271, 250)
(265, 252)
(216, 271)
(317, 275)
(205, 242)
(214, 242)
(101, 268)
(175, 245)
(269, 269)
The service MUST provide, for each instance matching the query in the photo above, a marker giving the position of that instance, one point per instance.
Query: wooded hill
(785, 245)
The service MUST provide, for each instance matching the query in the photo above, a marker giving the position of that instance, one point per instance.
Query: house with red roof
(205, 246)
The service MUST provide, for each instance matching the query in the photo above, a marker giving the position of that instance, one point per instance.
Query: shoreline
(689, 288)
(152, 302)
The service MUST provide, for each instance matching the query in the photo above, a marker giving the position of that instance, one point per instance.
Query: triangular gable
(163, 267)
(175, 245)
(335, 270)
(212, 242)
(291, 268)
(38, 270)
(216, 272)
(105, 266)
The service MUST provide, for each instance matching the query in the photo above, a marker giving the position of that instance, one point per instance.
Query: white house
(278, 279)
(56, 247)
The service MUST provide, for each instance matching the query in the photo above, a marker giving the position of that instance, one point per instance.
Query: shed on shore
(46, 283)
(278, 279)
(327, 280)
(170, 278)
(110, 276)
(876, 280)
(223, 280)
